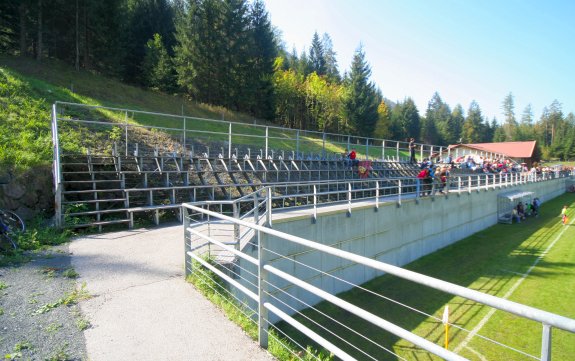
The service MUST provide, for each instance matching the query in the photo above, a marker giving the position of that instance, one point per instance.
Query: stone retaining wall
(28, 193)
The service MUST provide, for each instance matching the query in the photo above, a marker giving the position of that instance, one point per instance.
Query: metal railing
(214, 235)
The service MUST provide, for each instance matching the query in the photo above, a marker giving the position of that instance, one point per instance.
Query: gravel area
(35, 324)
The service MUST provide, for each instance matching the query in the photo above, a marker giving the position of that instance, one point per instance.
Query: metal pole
(187, 242)
(230, 142)
(366, 148)
(57, 169)
(397, 151)
(267, 134)
(126, 131)
(269, 207)
(546, 343)
(262, 289)
(184, 134)
(349, 199)
(296, 143)
(323, 146)
(382, 150)
(314, 204)
(236, 211)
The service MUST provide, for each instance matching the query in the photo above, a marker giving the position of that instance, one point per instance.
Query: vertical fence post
(469, 184)
(399, 192)
(382, 150)
(267, 139)
(546, 343)
(256, 208)
(366, 148)
(397, 151)
(314, 203)
(230, 141)
(236, 212)
(349, 199)
(323, 146)
(376, 195)
(187, 242)
(126, 131)
(296, 143)
(269, 207)
(421, 152)
(262, 290)
(184, 137)
(57, 169)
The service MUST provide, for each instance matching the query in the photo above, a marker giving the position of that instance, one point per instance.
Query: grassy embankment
(28, 89)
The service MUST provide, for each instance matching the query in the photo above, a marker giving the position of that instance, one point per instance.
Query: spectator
(412, 147)
(515, 215)
(352, 158)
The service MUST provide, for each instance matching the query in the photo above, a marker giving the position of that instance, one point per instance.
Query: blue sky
(464, 49)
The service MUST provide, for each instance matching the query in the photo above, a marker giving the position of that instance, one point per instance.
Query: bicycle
(10, 224)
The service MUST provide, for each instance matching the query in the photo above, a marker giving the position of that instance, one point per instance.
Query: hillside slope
(28, 89)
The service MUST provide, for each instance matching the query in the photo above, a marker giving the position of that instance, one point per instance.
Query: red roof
(510, 149)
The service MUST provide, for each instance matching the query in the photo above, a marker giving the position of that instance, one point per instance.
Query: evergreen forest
(228, 53)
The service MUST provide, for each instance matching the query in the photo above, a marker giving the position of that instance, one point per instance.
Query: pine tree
(331, 68)
(510, 125)
(473, 124)
(144, 19)
(157, 67)
(317, 56)
(263, 52)
(362, 102)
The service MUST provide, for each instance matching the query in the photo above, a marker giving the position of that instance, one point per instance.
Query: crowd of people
(522, 211)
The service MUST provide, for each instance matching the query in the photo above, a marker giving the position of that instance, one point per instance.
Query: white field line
(509, 293)
(480, 356)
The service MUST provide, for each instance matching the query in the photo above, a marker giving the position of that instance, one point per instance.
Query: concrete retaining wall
(394, 234)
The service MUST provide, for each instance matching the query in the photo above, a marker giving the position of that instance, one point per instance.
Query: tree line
(228, 53)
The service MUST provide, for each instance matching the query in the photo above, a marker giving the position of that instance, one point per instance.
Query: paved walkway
(142, 309)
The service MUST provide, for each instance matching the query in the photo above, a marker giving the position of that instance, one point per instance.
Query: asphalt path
(143, 309)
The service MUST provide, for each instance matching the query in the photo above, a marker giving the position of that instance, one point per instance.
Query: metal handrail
(547, 319)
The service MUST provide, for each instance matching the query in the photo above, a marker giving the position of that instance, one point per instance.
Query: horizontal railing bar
(224, 276)
(308, 332)
(532, 313)
(240, 254)
(370, 317)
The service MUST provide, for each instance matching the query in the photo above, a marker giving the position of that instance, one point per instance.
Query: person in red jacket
(352, 157)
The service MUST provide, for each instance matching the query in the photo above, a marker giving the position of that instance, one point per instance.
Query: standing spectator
(352, 157)
(412, 147)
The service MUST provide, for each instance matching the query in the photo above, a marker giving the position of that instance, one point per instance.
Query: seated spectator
(515, 215)
(353, 162)
(521, 210)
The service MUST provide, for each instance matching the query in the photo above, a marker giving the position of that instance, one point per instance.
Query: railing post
(267, 139)
(126, 131)
(366, 148)
(421, 152)
(397, 151)
(269, 207)
(57, 169)
(349, 199)
(469, 184)
(382, 150)
(399, 191)
(187, 242)
(230, 142)
(256, 208)
(546, 343)
(323, 154)
(296, 144)
(236, 212)
(184, 138)
(262, 290)
(376, 195)
(314, 204)
(459, 185)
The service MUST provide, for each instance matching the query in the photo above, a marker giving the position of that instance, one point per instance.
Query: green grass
(490, 261)
(28, 89)
(211, 287)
